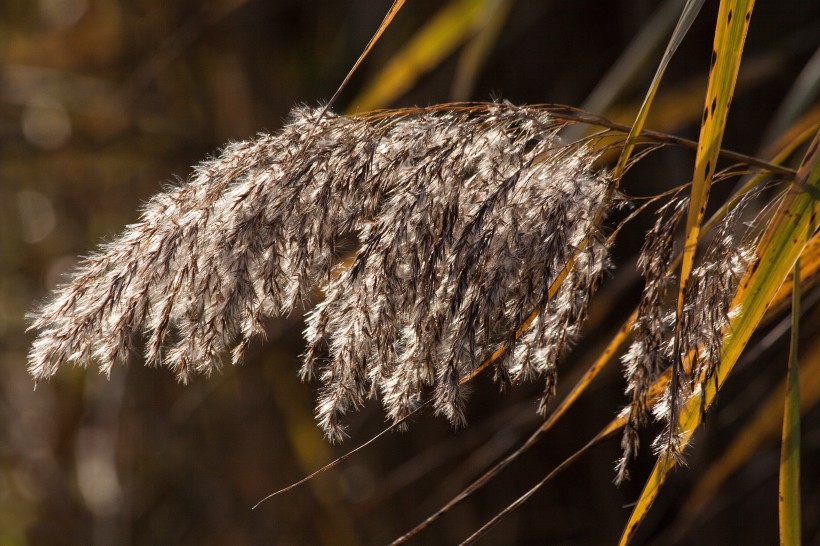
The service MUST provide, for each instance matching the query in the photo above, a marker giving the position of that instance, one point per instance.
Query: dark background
(103, 101)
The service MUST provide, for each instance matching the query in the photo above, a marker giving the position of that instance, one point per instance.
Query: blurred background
(102, 102)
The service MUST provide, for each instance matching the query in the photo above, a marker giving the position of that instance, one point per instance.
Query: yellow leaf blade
(449, 28)
(730, 36)
(688, 15)
(760, 430)
(789, 487)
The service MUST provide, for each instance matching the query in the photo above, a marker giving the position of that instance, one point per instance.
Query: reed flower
(462, 218)
(647, 355)
(704, 324)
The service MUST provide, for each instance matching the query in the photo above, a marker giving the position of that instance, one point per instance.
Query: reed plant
(429, 245)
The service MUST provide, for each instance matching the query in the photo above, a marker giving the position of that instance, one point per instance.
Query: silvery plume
(462, 217)
(704, 322)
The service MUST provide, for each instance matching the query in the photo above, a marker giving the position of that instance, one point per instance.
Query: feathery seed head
(464, 219)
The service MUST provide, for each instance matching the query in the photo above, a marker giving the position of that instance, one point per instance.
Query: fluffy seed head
(463, 219)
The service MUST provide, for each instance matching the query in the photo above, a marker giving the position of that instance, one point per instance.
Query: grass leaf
(730, 35)
(789, 497)
(759, 431)
(388, 18)
(448, 29)
(690, 12)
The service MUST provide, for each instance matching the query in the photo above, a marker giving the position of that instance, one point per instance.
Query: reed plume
(704, 324)
(463, 218)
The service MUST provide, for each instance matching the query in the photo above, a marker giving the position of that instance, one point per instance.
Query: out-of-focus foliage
(101, 101)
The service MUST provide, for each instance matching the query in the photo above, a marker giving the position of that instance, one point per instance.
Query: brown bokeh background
(104, 101)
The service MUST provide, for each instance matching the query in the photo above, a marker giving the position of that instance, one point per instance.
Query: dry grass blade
(612, 349)
(611, 428)
(794, 223)
(687, 17)
(789, 488)
(730, 35)
(347, 455)
(388, 18)
(448, 29)
(761, 428)
(602, 435)
(576, 115)
(654, 394)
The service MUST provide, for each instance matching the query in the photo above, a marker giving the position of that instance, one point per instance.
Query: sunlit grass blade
(439, 37)
(688, 15)
(681, 105)
(794, 223)
(763, 427)
(789, 487)
(730, 35)
(388, 18)
(785, 149)
(611, 428)
(657, 389)
(606, 432)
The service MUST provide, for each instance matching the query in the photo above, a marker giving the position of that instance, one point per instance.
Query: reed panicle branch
(706, 315)
(462, 220)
